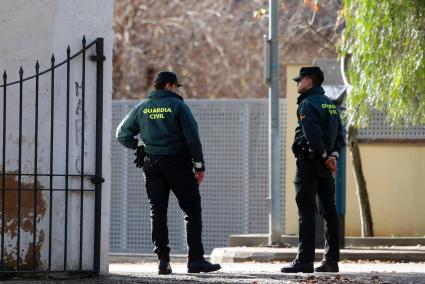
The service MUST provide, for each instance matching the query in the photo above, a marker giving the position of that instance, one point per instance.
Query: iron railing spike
(21, 72)
(37, 66)
(68, 50)
(84, 41)
(4, 75)
(53, 58)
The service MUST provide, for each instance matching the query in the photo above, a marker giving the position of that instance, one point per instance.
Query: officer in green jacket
(318, 140)
(169, 140)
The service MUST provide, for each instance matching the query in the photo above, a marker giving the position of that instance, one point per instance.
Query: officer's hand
(330, 163)
(140, 156)
(199, 176)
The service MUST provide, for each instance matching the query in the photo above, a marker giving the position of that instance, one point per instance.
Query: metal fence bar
(48, 175)
(37, 70)
(22, 264)
(18, 245)
(83, 87)
(3, 168)
(52, 105)
(75, 55)
(68, 54)
(48, 189)
(98, 158)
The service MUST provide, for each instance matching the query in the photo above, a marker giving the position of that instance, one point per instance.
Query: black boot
(297, 266)
(196, 266)
(327, 266)
(164, 267)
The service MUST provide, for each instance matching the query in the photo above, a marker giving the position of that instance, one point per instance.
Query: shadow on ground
(380, 278)
(255, 278)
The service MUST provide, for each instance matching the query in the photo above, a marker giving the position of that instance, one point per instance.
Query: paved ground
(351, 272)
(365, 272)
(268, 254)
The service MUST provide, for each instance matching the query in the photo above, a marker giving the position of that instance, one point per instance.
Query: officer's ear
(168, 86)
(309, 81)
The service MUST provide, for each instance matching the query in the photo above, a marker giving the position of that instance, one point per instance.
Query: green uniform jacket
(165, 124)
(319, 124)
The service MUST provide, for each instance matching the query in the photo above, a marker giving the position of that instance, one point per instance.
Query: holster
(140, 156)
(301, 151)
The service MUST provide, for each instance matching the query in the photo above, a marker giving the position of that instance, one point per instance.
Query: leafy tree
(384, 42)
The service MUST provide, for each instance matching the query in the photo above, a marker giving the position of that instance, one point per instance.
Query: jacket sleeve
(128, 129)
(340, 137)
(309, 120)
(190, 132)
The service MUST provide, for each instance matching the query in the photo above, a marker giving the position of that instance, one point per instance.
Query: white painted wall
(32, 30)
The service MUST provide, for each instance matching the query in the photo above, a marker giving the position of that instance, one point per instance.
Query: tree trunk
(365, 215)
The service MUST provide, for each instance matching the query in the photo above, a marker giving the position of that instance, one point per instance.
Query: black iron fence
(51, 166)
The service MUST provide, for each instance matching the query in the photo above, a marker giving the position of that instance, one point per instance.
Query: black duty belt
(158, 157)
(307, 155)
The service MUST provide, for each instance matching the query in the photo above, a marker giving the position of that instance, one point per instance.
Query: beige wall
(395, 176)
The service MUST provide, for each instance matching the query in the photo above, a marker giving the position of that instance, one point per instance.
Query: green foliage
(386, 42)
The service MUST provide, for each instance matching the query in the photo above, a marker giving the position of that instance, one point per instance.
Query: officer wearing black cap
(318, 141)
(170, 152)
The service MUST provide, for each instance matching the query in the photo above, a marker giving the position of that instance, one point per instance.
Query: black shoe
(196, 266)
(327, 266)
(297, 266)
(164, 267)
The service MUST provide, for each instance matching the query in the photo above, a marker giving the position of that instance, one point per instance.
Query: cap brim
(178, 85)
(298, 78)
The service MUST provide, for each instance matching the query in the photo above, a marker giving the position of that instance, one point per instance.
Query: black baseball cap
(311, 70)
(167, 77)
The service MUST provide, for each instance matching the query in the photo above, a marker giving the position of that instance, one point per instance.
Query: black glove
(140, 156)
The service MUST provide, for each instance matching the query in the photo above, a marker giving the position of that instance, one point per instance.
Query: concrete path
(144, 271)
(351, 272)
(267, 254)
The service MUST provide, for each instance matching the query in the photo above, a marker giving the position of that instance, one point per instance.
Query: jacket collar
(163, 94)
(312, 91)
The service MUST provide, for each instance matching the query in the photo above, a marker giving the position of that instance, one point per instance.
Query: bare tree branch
(215, 46)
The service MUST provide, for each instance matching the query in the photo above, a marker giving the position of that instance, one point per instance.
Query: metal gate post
(99, 58)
